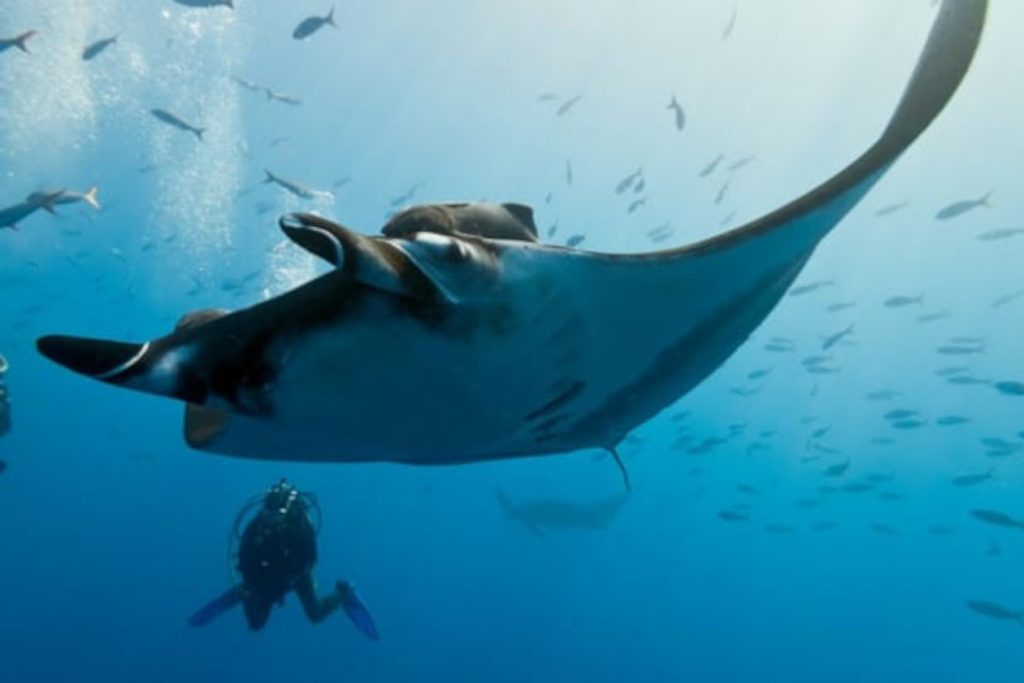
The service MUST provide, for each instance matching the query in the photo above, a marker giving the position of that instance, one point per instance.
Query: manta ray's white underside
(434, 345)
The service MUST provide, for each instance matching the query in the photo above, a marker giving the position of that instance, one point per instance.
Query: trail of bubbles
(197, 181)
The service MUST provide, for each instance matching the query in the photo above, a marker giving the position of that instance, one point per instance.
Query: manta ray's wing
(666, 320)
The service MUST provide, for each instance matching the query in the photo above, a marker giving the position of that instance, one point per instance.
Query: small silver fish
(892, 208)
(963, 206)
(311, 25)
(92, 50)
(710, 168)
(176, 121)
(680, 116)
(567, 105)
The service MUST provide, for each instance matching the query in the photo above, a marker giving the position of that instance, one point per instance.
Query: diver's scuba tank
(278, 503)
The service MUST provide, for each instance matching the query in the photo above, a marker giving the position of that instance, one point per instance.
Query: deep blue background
(113, 532)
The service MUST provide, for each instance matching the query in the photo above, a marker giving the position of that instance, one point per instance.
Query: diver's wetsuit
(276, 555)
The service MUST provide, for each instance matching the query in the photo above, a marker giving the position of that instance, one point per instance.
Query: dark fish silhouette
(406, 196)
(741, 162)
(1000, 234)
(660, 233)
(575, 240)
(567, 105)
(952, 420)
(547, 97)
(997, 518)
(800, 290)
(721, 193)
(636, 204)
(959, 350)
(995, 611)
(629, 181)
(1007, 298)
(568, 172)
(19, 41)
(963, 206)
(840, 306)
(92, 50)
(834, 339)
(311, 25)
(247, 84)
(901, 301)
(727, 31)
(881, 395)
(1010, 388)
(710, 168)
(965, 480)
(176, 121)
(931, 317)
(837, 470)
(295, 188)
(734, 515)
(281, 97)
(892, 208)
(680, 116)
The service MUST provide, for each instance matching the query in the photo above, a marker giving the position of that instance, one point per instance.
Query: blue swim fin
(356, 610)
(216, 607)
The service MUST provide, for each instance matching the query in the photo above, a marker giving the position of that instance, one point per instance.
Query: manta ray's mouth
(99, 358)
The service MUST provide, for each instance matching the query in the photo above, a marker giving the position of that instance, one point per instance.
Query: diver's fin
(356, 610)
(202, 424)
(216, 607)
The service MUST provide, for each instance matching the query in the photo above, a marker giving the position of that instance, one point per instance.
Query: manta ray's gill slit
(574, 390)
(718, 336)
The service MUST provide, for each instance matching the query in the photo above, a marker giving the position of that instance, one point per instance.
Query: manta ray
(456, 336)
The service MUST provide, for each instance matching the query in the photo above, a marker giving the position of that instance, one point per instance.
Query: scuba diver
(275, 555)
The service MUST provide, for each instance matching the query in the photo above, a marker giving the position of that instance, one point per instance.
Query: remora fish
(539, 516)
(176, 121)
(311, 25)
(456, 337)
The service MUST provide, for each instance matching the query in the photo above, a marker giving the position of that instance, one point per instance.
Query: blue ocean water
(786, 522)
